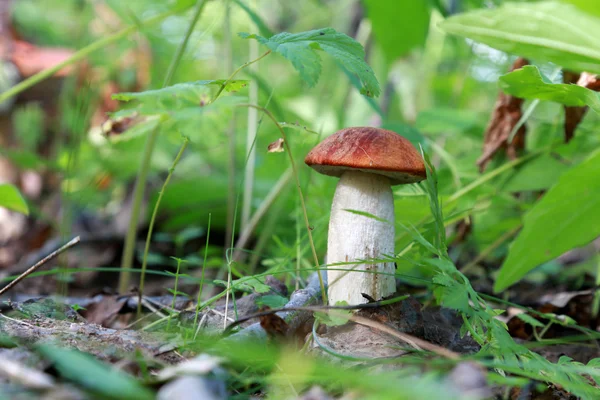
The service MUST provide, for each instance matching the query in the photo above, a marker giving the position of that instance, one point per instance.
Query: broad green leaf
(568, 216)
(399, 26)
(179, 96)
(91, 374)
(589, 6)
(11, 199)
(548, 31)
(300, 50)
(528, 83)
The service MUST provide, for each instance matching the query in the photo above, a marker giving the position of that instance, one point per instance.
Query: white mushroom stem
(354, 237)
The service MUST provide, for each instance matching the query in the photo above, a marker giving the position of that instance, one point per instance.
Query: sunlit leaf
(566, 217)
(547, 31)
(528, 83)
(300, 49)
(11, 199)
(589, 6)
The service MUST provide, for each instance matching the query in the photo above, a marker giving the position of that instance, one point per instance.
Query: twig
(412, 340)
(44, 260)
(375, 304)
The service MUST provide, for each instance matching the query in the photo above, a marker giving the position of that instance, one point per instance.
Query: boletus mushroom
(368, 161)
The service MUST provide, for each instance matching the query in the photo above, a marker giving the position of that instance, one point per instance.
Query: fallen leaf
(507, 113)
(273, 324)
(574, 115)
(105, 311)
(277, 146)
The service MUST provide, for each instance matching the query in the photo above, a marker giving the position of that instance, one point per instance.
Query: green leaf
(566, 217)
(248, 284)
(368, 215)
(548, 31)
(589, 6)
(179, 96)
(334, 317)
(93, 375)
(406, 30)
(11, 199)
(300, 50)
(528, 319)
(272, 301)
(528, 83)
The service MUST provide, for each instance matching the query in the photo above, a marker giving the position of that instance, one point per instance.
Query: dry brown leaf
(276, 147)
(574, 115)
(274, 325)
(507, 113)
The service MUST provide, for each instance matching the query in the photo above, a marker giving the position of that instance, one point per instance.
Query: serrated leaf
(11, 198)
(568, 216)
(300, 49)
(548, 31)
(402, 33)
(93, 375)
(528, 83)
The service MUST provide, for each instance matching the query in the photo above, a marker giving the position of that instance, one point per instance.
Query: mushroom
(368, 162)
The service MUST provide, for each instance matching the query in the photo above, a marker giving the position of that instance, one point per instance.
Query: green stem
(127, 260)
(138, 195)
(301, 196)
(179, 261)
(241, 67)
(152, 221)
(83, 53)
(203, 269)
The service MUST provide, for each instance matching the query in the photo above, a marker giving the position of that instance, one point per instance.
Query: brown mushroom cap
(373, 150)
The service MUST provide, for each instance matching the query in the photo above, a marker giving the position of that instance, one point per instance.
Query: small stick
(43, 261)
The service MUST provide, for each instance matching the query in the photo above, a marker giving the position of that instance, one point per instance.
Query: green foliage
(179, 96)
(452, 289)
(249, 284)
(11, 199)
(398, 26)
(528, 319)
(272, 301)
(546, 31)
(566, 217)
(589, 6)
(300, 49)
(528, 83)
(93, 375)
